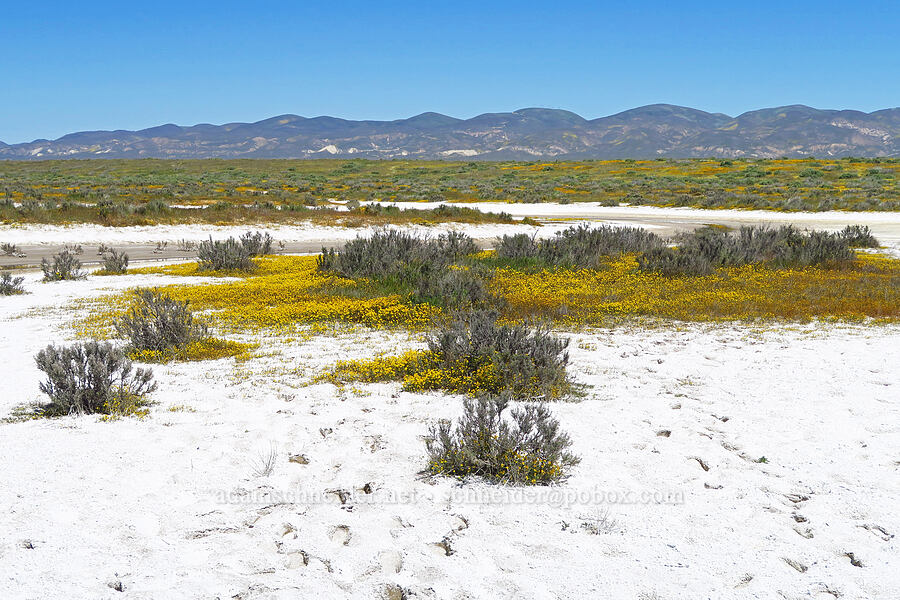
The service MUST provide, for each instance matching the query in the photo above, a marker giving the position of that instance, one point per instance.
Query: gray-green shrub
(91, 377)
(528, 449)
(257, 243)
(10, 285)
(529, 364)
(859, 236)
(224, 255)
(64, 266)
(115, 262)
(158, 322)
(578, 246)
(708, 248)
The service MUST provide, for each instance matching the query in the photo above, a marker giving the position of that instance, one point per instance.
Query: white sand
(171, 507)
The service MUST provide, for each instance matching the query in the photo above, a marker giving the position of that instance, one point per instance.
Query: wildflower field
(141, 192)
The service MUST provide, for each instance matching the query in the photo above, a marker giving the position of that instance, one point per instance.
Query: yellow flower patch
(207, 349)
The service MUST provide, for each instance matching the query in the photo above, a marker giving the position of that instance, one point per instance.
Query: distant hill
(658, 130)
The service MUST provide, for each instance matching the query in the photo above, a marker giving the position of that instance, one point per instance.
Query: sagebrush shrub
(158, 323)
(859, 236)
(224, 255)
(707, 248)
(528, 449)
(91, 377)
(10, 285)
(257, 243)
(419, 266)
(115, 262)
(511, 359)
(579, 246)
(395, 253)
(11, 250)
(64, 266)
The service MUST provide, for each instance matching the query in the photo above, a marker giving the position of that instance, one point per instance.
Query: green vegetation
(126, 192)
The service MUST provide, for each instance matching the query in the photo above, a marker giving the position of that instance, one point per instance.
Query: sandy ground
(42, 241)
(176, 506)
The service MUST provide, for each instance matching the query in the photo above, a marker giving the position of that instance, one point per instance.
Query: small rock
(853, 560)
(116, 585)
(702, 463)
(800, 567)
(664, 433)
(394, 592)
(300, 459)
(27, 544)
(804, 532)
(711, 486)
(799, 518)
(368, 488)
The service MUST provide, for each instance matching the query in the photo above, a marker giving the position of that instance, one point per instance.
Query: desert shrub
(455, 287)
(159, 323)
(10, 285)
(473, 355)
(418, 266)
(257, 243)
(579, 246)
(674, 261)
(528, 449)
(92, 377)
(154, 206)
(115, 263)
(224, 255)
(64, 266)
(859, 236)
(11, 250)
(395, 253)
(511, 359)
(705, 249)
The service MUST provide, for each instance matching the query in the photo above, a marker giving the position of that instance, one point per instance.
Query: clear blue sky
(72, 66)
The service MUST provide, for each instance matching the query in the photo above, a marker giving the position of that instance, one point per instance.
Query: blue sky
(72, 66)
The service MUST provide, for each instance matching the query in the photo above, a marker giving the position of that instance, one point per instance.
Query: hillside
(659, 130)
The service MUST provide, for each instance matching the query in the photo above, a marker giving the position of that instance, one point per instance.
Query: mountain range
(658, 130)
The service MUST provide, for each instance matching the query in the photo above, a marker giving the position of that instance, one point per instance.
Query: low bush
(158, 323)
(859, 236)
(579, 246)
(115, 263)
(529, 449)
(708, 248)
(395, 253)
(407, 264)
(11, 250)
(64, 266)
(512, 359)
(257, 243)
(10, 285)
(474, 355)
(224, 255)
(92, 377)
